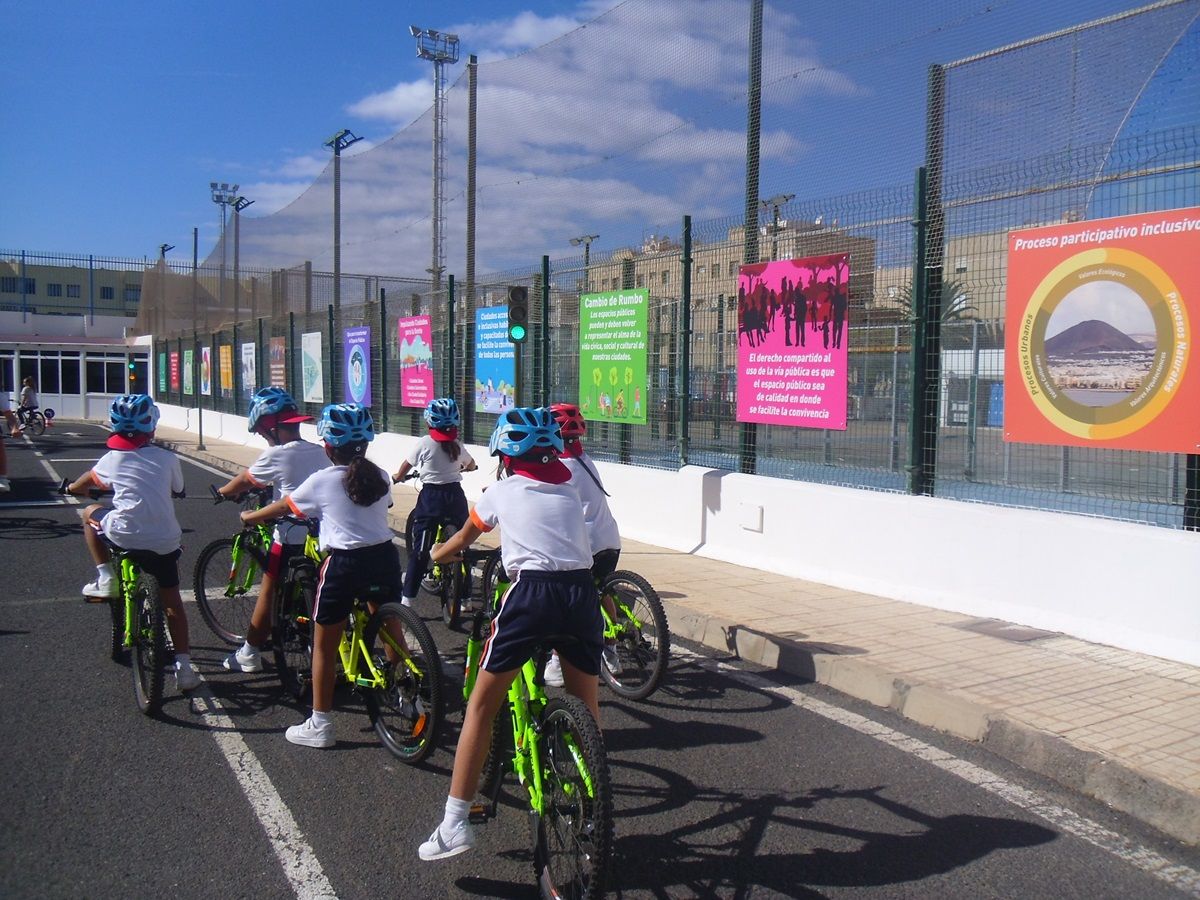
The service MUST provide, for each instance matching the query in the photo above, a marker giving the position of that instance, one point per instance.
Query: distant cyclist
(439, 459)
(284, 465)
(143, 478)
(28, 400)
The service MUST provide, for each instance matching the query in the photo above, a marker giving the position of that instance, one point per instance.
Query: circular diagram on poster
(1103, 343)
(358, 382)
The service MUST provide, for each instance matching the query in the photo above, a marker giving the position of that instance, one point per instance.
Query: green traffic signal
(516, 333)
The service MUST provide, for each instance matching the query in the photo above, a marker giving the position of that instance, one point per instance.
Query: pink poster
(414, 345)
(792, 342)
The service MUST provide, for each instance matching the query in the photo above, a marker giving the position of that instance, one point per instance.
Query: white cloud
(399, 105)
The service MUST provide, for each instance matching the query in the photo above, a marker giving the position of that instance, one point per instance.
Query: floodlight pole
(439, 49)
(338, 143)
(773, 204)
(586, 240)
(223, 194)
(238, 204)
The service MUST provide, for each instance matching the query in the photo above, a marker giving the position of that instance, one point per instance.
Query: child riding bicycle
(143, 479)
(284, 465)
(439, 459)
(546, 546)
(351, 498)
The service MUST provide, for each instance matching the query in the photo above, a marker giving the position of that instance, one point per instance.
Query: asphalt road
(729, 782)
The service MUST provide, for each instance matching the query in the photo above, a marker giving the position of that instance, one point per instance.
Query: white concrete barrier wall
(1126, 585)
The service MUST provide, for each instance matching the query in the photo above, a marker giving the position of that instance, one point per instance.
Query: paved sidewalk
(1118, 726)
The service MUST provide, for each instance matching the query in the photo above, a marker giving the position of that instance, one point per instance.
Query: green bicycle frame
(128, 582)
(244, 565)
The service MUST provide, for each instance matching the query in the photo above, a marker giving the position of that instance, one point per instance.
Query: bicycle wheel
(454, 589)
(116, 607)
(226, 596)
(35, 424)
(407, 714)
(492, 576)
(292, 630)
(408, 531)
(149, 654)
(643, 638)
(574, 832)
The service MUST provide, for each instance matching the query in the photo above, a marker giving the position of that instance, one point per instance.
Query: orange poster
(1099, 333)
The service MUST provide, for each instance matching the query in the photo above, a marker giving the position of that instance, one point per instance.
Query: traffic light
(132, 371)
(518, 314)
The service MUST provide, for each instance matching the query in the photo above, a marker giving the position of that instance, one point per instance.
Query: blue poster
(995, 415)
(357, 346)
(495, 361)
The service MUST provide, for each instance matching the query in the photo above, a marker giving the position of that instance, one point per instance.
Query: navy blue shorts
(371, 574)
(542, 604)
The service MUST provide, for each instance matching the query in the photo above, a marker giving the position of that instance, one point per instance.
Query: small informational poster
(226, 357)
(161, 372)
(312, 371)
(173, 367)
(249, 375)
(356, 357)
(206, 371)
(793, 342)
(495, 361)
(189, 370)
(612, 356)
(414, 344)
(278, 361)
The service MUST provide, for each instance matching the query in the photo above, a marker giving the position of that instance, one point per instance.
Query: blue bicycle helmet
(133, 413)
(271, 401)
(442, 413)
(345, 423)
(523, 429)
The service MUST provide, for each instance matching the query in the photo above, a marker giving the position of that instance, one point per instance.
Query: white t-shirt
(542, 523)
(434, 465)
(143, 517)
(28, 397)
(601, 526)
(344, 524)
(285, 467)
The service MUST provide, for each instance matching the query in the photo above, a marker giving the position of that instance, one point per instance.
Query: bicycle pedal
(479, 813)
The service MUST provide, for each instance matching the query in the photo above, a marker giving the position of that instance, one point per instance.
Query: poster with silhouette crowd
(793, 341)
(1098, 333)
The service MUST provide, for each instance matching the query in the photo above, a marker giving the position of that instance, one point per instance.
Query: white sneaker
(612, 660)
(186, 677)
(237, 662)
(5, 485)
(440, 846)
(554, 676)
(106, 588)
(309, 734)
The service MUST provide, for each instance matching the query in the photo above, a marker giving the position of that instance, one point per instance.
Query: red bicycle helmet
(570, 420)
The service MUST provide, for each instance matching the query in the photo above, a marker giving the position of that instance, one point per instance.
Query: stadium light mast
(238, 203)
(586, 240)
(773, 204)
(223, 195)
(439, 49)
(337, 144)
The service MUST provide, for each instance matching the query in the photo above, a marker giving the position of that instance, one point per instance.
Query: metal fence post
(383, 358)
(685, 336)
(196, 387)
(238, 384)
(544, 336)
(449, 336)
(289, 358)
(333, 375)
(1191, 495)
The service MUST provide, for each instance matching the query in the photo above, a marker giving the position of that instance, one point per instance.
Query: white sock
(104, 571)
(456, 814)
(407, 601)
(321, 718)
(248, 649)
(183, 660)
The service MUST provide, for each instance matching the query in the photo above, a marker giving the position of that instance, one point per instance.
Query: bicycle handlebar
(263, 494)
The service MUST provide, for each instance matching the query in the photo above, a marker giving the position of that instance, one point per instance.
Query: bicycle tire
(292, 630)
(149, 652)
(489, 579)
(35, 424)
(574, 833)
(454, 589)
(645, 651)
(227, 617)
(116, 609)
(407, 715)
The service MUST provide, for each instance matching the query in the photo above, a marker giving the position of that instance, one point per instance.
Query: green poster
(162, 373)
(188, 371)
(612, 356)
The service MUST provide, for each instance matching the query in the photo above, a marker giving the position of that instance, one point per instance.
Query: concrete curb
(1164, 807)
(1169, 809)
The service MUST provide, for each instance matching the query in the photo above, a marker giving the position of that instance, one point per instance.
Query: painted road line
(300, 864)
(23, 504)
(1179, 876)
(55, 478)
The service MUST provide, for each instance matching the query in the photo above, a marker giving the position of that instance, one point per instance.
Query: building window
(106, 293)
(666, 277)
(30, 285)
(716, 270)
(960, 265)
(73, 291)
(70, 376)
(48, 374)
(700, 270)
(53, 290)
(615, 283)
(105, 376)
(640, 281)
(133, 293)
(8, 284)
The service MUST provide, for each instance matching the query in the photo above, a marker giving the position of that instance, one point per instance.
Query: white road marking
(55, 478)
(1179, 876)
(26, 503)
(300, 864)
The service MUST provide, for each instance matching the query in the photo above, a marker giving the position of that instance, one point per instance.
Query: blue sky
(120, 114)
